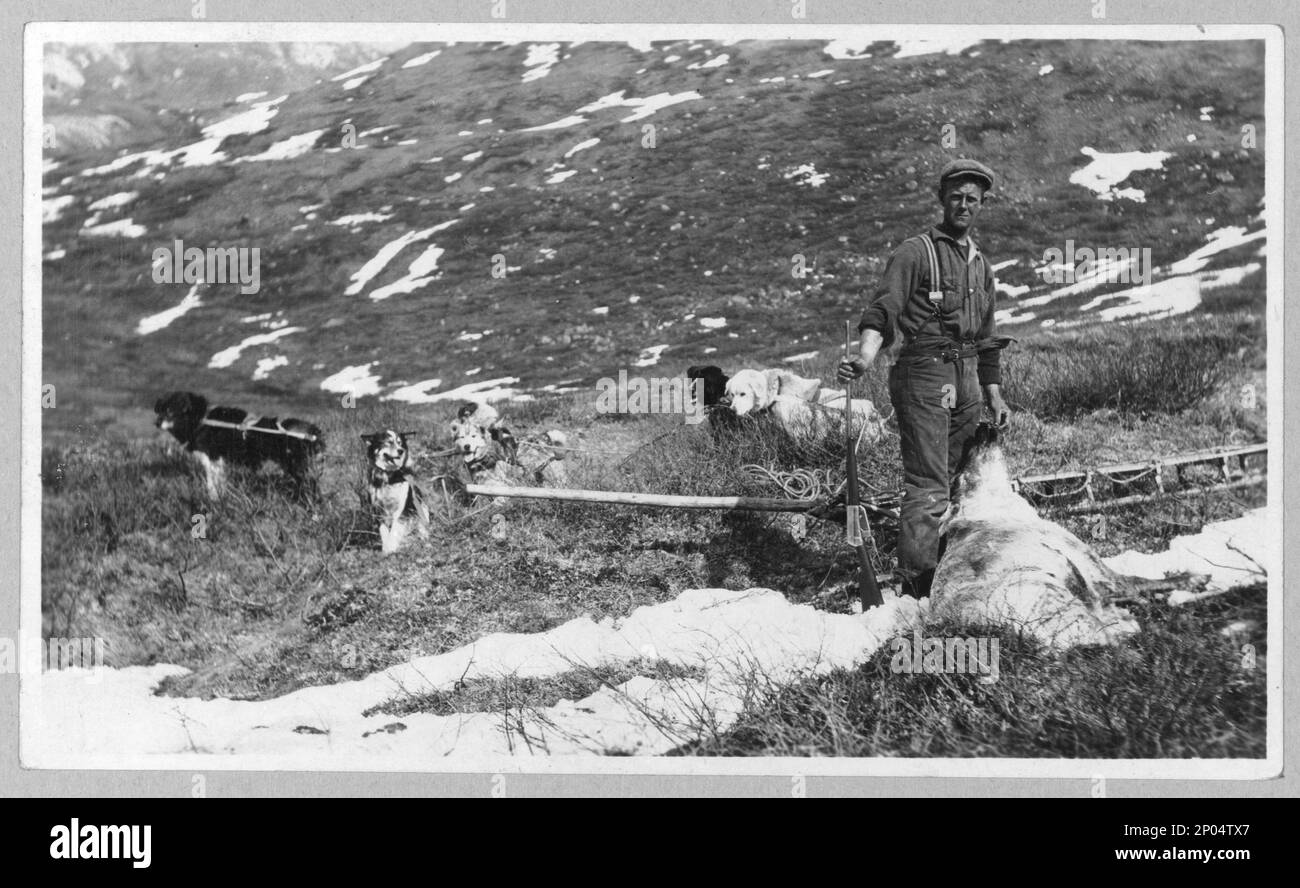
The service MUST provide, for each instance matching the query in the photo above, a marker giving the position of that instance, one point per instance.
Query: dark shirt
(902, 300)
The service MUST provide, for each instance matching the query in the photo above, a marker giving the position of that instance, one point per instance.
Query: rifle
(856, 526)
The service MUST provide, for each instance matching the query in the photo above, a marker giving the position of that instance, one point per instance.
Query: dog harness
(248, 425)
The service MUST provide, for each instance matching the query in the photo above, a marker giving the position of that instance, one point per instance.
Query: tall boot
(919, 586)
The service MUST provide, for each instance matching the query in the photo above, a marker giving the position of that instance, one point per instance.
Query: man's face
(962, 201)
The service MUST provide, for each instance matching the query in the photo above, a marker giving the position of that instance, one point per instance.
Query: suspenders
(935, 293)
(936, 283)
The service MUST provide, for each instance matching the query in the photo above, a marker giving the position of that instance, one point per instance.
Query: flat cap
(964, 166)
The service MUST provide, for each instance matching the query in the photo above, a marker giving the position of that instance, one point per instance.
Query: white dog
(799, 405)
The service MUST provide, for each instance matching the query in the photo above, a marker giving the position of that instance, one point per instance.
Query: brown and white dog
(391, 492)
(216, 436)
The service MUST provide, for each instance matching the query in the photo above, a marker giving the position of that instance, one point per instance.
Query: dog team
(217, 436)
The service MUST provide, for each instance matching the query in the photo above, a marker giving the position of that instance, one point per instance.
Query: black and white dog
(220, 435)
(391, 492)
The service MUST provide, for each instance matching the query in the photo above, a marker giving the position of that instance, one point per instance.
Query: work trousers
(938, 405)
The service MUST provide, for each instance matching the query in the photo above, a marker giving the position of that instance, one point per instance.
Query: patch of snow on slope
(727, 635)
(114, 200)
(562, 123)
(155, 322)
(266, 365)
(1106, 171)
(359, 218)
(644, 107)
(421, 59)
(1008, 317)
(1216, 242)
(420, 272)
(541, 58)
(286, 149)
(650, 356)
(356, 380)
(52, 207)
(581, 146)
(487, 390)
(367, 68)
(559, 177)
(376, 264)
(716, 62)
(116, 228)
(1172, 296)
(807, 175)
(856, 48)
(1232, 553)
(228, 356)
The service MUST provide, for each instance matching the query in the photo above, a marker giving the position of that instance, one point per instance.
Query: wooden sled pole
(660, 500)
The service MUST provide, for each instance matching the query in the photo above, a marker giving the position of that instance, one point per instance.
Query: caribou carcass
(1004, 564)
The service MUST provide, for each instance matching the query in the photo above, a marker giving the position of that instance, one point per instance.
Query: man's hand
(847, 371)
(1001, 412)
(850, 369)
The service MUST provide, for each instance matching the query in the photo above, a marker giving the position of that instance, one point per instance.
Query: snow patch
(375, 265)
(359, 218)
(1106, 171)
(116, 228)
(541, 58)
(421, 59)
(226, 357)
(114, 200)
(807, 175)
(716, 62)
(52, 207)
(487, 390)
(367, 68)
(286, 149)
(356, 380)
(154, 323)
(650, 356)
(581, 146)
(420, 272)
(266, 365)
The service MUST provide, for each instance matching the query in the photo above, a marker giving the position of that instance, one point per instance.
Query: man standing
(938, 293)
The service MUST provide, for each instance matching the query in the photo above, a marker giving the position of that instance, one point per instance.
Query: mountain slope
(377, 260)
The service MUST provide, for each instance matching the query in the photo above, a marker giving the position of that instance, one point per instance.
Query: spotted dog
(217, 436)
(398, 504)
